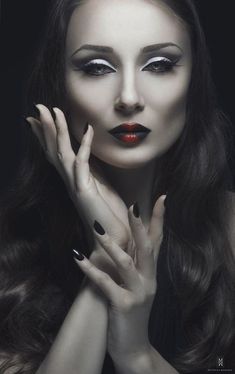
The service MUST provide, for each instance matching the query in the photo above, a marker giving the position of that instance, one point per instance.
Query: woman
(126, 115)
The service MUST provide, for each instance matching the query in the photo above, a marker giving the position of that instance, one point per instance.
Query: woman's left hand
(130, 302)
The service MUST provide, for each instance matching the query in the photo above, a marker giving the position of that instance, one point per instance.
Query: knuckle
(84, 191)
(77, 162)
(152, 291)
(127, 263)
(148, 247)
(131, 246)
(103, 278)
(123, 240)
(61, 130)
(159, 239)
(90, 266)
(60, 156)
(127, 304)
(106, 241)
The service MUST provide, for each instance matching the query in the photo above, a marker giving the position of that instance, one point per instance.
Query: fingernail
(53, 114)
(164, 202)
(136, 211)
(79, 256)
(85, 128)
(36, 111)
(27, 123)
(98, 228)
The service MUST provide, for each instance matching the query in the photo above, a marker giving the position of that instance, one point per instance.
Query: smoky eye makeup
(77, 61)
(161, 64)
(98, 66)
(86, 64)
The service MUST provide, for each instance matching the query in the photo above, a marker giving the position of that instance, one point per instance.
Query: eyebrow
(105, 49)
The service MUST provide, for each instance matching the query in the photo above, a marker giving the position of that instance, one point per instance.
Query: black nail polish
(36, 111)
(164, 202)
(79, 256)
(26, 122)
(98, 228)
(85, 128)
(53, 114)
(136, 211)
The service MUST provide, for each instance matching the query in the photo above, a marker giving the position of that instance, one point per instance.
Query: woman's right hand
(92, 196)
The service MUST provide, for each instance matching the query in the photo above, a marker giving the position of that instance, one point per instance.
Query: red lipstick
(130, 133)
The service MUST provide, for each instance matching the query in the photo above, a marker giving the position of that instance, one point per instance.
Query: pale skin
(121, 271)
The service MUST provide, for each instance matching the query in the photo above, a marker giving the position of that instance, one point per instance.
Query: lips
(130, 133)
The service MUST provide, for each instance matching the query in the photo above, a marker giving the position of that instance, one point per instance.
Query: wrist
(89, 287)
(136, 363)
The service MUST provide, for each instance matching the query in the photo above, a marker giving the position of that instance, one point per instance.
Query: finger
(125, 264)
(102, 280)
(49, 131)
(81, 166)
(156, 223)
(65, 152)
(144, 247)
(88, 195)
(37, 130)
(64, 147)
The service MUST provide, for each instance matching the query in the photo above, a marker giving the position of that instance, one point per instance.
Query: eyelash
(164, 65)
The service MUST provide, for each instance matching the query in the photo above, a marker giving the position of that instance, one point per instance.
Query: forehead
(126, 25)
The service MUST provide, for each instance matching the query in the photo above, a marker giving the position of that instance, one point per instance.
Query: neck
(133, 185)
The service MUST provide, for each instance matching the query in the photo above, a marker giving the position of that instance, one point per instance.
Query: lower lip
(130, 138)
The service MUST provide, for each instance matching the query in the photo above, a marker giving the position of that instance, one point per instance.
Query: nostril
(129, 107)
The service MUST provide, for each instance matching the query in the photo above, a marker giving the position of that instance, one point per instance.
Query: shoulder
(231, 219)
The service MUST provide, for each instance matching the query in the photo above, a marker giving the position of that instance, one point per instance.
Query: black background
(22, 23)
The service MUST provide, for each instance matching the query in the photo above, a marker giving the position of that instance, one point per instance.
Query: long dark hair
(40, 226)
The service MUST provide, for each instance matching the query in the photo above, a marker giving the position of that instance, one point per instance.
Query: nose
(129, 99)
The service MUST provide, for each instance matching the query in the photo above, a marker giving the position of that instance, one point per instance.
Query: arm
(80, 345)
(130, 303)
(81, 342)
(150, 362)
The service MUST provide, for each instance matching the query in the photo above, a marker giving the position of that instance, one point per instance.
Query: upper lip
(129, 127)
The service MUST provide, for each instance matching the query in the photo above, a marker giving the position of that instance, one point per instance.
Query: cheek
(86, 98)
(169, 101)
(171, 108)
(85, 103)
(166, 91)
(171, 119)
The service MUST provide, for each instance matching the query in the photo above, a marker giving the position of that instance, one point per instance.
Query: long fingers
(125, 264)
(75, 170)
(82, 175)
(156, 224)
(101, 279)
(37, 130)
(144, 246)
(147, 241)
(63, 145)
(50, 133)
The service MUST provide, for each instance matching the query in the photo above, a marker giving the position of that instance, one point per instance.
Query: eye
(161, 64)
(95, 68)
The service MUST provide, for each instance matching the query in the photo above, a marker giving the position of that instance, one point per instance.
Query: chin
(125, 163)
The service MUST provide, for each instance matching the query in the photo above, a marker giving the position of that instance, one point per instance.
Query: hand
(90, 194)
(131, 302)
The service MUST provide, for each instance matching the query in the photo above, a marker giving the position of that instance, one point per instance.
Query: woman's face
(127, 61)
